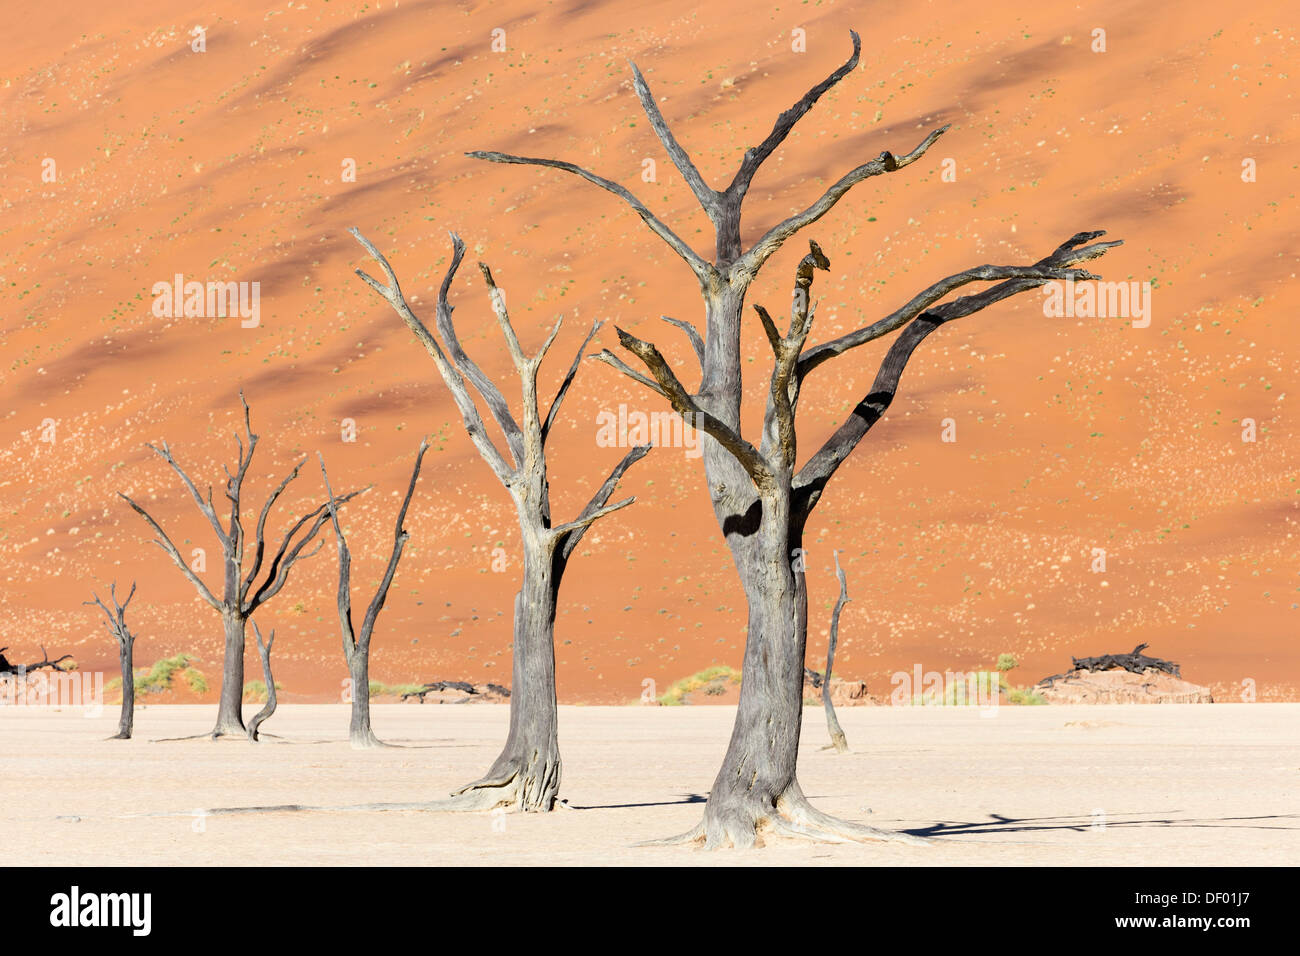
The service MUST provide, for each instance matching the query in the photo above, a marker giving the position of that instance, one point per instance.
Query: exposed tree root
(790, 815)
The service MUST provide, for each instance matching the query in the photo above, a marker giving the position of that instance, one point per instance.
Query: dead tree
(465, 687)
(1135, 662)
(838, 740)
(760, 500)
(21, 669)
(241, 594)
(115, 620)
(263, 652)
(356, 645)
(526, 775)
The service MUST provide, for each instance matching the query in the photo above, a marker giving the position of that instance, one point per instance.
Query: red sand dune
(1073, 434)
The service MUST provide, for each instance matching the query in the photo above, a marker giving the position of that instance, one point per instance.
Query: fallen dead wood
(464, 687)
(7, 668)
(1135, 662)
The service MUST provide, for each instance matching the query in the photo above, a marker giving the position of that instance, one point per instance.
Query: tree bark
(230, 718)
(526, 775)
(126, 723)
(359, 732)
(757, 778)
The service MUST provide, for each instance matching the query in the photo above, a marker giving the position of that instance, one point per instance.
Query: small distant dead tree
(838, 740)
(241, 595)
(356, 645)
(263, 652)
(115, 620)
(761, 500)
(526, 775)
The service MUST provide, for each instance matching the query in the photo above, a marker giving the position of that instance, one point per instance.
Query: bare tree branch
(496, 402)
(692, 333)
(205, 506)
(709, 198)
(400, 537)
(568, 380)
(451, 374)
(778, 418)
(756, 155)
(568, 535)
(817, 471)
(886, 162)
(259, 534)
(1047, 269)
(290, 551)
(165, 543)
(701, 268)
(745, 454)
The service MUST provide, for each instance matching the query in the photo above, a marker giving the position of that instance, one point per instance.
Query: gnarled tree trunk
(526, 774)
(360, 734)
(757, 777)
(230, 716)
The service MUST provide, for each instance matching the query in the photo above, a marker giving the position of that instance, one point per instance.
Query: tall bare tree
(526, 775)
(241, 594)
(356, 644)
(115, 621)
(761, 501)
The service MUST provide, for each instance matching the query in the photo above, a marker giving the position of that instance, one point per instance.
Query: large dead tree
(760, 499)
(241, 594)
(526, 775)
(356, 644)
(115, 621)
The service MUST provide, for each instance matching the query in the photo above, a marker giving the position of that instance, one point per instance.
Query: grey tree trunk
(230, 718)
(360, 733)
(757, 778)
(126, 723)
(526, 774)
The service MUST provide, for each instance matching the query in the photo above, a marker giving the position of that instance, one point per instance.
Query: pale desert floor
(1187, 784)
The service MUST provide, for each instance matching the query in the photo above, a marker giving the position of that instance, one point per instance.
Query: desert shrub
(255, 691)
(676, 693)
(158, 678)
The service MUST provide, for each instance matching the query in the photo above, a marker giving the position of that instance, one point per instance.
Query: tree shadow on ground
(687, 798)
(998, 823)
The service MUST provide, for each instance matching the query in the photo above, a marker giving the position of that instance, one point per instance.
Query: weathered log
(7, 668)
(442, 685)
(1135, 662)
